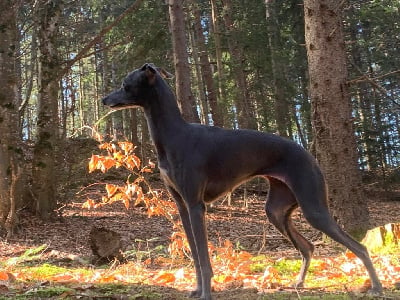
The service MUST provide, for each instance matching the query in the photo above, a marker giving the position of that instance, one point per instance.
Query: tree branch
(373, 82)
(363, 77)
(98, 37)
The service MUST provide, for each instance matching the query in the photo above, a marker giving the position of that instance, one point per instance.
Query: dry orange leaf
(126, 203)
(93, 163)
(223, 278)
(118, 156)
(111, 189)
(3, 276)
(350, 255)
(164, 277)
(89, 204)
(107, 163)
(105, 146)
(62, 277)
(126, 147)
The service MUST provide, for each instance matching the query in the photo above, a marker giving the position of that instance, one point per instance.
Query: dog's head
(136, 87)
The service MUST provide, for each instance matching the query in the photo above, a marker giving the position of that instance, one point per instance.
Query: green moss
(287, 266)
(48, 292)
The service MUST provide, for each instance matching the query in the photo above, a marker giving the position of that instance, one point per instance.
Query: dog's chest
(166, 176)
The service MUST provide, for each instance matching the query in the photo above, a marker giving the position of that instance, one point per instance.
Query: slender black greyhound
(200, 163)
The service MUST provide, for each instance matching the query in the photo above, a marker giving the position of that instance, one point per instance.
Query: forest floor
(65, 245)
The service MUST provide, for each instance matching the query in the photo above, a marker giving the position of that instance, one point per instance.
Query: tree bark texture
(181, 61)
(44, 181)
(335, 143)
(10, 151)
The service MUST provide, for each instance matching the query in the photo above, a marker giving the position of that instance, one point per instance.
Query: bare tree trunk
(30, 69)
(117, 117)
(335, 143)
(369, 155)
(82, 96)
(205, 67)
(181, 61)
(44, 179)
(10, 151)
(204, 109)
(282, 116)
(245, 112)
(216, 31)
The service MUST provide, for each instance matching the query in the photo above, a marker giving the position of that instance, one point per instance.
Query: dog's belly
(217, 189)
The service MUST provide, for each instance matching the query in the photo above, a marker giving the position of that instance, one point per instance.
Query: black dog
(201, 163)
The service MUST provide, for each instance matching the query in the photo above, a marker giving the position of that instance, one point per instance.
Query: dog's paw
(298, 284)
(195, 294)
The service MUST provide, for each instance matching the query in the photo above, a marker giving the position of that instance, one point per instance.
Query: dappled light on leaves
(121, 155)
(233, 268)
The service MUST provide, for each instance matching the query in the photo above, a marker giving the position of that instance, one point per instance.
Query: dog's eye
(125, 86)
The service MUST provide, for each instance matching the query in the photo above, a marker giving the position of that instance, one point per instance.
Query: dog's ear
(150, 72)
(165, 74)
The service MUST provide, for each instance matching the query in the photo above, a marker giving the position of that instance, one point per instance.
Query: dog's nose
(104, 100)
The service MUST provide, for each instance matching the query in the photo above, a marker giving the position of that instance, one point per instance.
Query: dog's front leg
(197, 221)
(184, 215)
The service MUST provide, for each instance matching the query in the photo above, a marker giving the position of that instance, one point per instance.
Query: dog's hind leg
(312, 199)
(318, 216)
(279, 207)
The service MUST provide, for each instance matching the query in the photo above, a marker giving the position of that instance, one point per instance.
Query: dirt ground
(67, 235)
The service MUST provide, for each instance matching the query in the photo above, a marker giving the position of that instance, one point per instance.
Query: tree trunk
(44, 179)
(216, 32)
(211, 92)
(364, 100)
(181, 60)
(279, 83)
(201, 89)
(335, 143)
(10, 151)
(117, 117)
(245, 113)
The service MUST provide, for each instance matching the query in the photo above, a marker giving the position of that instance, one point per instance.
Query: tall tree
(10, 151)
(44, 186)
(334, 135)
(181, 61)
(245, 110)
(205, 67)
(215, 29)
(278, 70)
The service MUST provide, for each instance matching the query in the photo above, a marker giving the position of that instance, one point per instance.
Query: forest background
(238, 64)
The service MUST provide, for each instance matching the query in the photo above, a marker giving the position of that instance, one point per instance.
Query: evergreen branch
(99, 36)
(373, 82)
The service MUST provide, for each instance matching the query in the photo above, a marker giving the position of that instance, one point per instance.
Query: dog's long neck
(163, 116)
